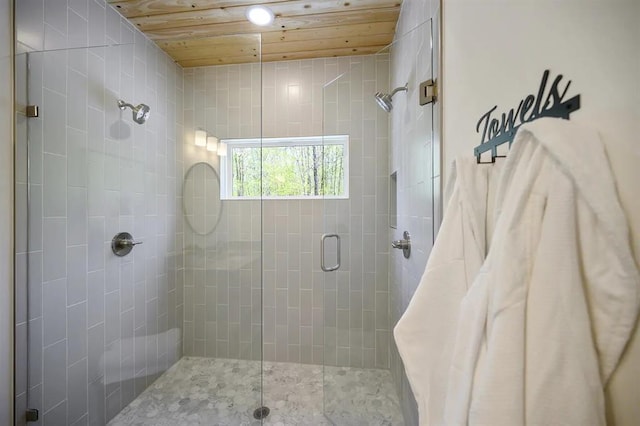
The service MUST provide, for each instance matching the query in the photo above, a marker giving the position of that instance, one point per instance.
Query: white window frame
(226, 168)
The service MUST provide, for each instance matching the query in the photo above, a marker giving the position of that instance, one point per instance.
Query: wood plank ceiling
(215, 32)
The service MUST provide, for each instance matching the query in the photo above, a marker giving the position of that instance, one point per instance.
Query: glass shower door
(362, 382)
(357, 383)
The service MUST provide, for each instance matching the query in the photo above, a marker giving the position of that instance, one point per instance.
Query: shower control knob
(400, 244)
(123, 243)
(404, 244)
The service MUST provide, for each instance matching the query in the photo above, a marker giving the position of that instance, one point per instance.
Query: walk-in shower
(384, 99)
(224, 311)
(140, 112)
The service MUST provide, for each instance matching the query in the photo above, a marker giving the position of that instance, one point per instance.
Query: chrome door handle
(322, 241)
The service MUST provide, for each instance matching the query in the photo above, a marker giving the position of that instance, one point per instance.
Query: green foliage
(299, 170)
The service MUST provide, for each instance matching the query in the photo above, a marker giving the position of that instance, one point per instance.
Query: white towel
(546, 320)
(425, 333)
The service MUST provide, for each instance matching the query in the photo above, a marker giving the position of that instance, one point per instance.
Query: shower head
(140, 112)
(384, 99)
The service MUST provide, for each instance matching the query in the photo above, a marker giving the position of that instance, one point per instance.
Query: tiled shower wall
(415, 156)
(101, 328)
(223, 300)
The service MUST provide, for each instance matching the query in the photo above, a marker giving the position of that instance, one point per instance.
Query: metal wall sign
(497, 129)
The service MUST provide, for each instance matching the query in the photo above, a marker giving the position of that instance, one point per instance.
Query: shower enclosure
(95, 329)
(223, 313)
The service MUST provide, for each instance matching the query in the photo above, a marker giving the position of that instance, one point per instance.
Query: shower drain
(261, 413)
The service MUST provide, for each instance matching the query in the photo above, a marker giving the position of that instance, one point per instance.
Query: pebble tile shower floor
(206, 391)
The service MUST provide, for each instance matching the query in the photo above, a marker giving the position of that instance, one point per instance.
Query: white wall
(495, 52)
(6, 213)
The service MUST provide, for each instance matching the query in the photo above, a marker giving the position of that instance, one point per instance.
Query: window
(305, 167)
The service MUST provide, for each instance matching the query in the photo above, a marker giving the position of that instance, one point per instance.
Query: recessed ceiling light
(260, 15)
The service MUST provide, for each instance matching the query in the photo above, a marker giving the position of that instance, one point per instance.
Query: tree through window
(307, 167)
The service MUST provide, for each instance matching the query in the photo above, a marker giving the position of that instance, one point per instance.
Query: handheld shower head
(384, 99)
(140, 112)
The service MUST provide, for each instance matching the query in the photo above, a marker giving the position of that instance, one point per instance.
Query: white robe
(425, 333)
(547, 318)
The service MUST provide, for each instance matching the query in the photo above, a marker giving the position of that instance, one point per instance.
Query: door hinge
(33, 111)
(428, 92)
(32, 415)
